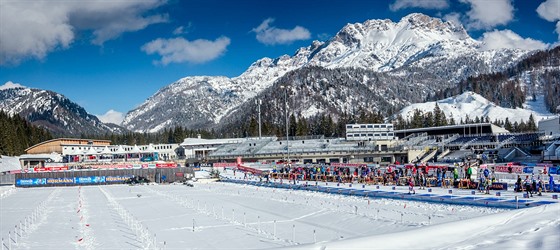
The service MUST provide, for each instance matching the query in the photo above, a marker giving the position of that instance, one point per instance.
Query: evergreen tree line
(495, 87)
(505, 88)
(323, 124)
(17, 134)
(437, 117)
(171, 135)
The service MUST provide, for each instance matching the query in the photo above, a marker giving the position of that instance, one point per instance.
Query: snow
(9, 163)
(379, 45)
(222, 215)
(474, 105)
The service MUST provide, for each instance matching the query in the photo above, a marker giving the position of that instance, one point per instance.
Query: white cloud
(32, 29)
(11, 85)
(424, 4)
(487, 14)
(272, 35)
(558, 29)
(182, 29)
(178, 50)
(111, 116)
(550, 11)
(499, 39)
(179, 30)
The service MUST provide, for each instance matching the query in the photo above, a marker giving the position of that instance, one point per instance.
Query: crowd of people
(413, 176)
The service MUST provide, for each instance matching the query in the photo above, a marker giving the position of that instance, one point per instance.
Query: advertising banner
(89, 179)
(120, 178)
(505, 169)
(166, 165)
(60, 180)
(499, 186)
(224, 164)
(31, 182)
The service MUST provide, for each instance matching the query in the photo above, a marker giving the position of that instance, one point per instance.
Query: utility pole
(286, 110)
(259, 103)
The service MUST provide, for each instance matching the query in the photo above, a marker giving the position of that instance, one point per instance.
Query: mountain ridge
(417, 43)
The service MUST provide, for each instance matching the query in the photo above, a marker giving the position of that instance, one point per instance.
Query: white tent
(106, 151)
(120, 150)
(135, 150)
(150, 149)
(91, 151)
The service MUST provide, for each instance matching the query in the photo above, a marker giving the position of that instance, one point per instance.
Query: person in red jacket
(411, 186)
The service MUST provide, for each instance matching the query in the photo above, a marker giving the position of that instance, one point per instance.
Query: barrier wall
(98, 177)
(7, 179)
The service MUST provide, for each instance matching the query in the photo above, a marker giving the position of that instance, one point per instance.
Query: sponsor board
(31, 182)
(70, 180)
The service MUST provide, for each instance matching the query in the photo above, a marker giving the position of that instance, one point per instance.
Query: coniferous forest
(17, 134)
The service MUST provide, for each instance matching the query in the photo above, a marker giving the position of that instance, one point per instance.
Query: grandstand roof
(463, 129)
(200, 141)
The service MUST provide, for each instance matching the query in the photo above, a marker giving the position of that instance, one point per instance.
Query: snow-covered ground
(474, 105)
(223, 215)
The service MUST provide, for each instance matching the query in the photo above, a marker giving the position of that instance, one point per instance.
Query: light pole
(259, 103)
(286, 110)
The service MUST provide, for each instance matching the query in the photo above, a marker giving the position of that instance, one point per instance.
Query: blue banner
(89, 179)
(31, 182)
(528, 170)
(72, 180)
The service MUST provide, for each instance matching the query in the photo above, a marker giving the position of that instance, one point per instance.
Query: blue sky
(112, 55)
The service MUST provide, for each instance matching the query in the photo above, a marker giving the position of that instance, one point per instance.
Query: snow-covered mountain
(417, 49)
(474, 105)
(51, 110)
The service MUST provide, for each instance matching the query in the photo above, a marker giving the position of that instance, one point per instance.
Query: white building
(370, 132)
(198, 148)
(550, 126)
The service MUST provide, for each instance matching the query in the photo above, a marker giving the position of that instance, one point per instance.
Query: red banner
(505, 169)
(166, 165)
(224, 164)
(47, 169)
(248, 169)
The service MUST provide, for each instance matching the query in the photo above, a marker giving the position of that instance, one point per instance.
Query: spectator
(411, 186)
(518, 184)
(527, 184)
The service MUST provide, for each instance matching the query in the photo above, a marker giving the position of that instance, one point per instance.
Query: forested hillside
(17, 134)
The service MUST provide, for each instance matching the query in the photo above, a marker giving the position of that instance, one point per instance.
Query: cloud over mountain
(271, 35)
(179, 50)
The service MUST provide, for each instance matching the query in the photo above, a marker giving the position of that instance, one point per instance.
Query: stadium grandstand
(484, 142)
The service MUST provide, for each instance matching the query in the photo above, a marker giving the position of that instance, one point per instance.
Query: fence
(7, 179)
(100, 177)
